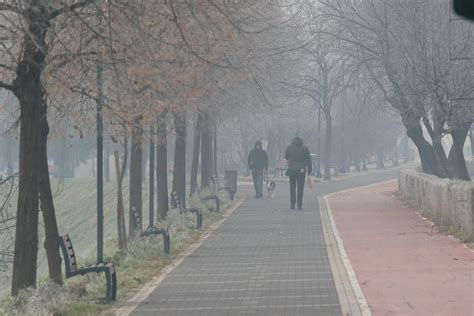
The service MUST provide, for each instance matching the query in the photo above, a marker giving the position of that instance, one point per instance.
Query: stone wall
(449, 204)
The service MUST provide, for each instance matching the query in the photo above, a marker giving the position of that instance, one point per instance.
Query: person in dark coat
(258, 163)
(299, 163)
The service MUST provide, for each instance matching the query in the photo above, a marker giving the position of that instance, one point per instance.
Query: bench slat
(70, 253)
(72, 270)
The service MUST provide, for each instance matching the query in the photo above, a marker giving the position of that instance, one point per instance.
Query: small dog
(270, 188)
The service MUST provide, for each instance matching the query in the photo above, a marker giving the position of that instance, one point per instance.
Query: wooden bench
(72, 270)
(177, 202)
(153, 231)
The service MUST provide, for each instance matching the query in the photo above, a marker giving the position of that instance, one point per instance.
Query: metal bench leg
(108, 280)
(114, 286)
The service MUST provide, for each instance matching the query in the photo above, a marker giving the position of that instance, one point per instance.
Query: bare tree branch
(6, 86)
(11, 8)
(70, 8)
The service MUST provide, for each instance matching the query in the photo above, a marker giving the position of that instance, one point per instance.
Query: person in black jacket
(299, 163)
(258, 163)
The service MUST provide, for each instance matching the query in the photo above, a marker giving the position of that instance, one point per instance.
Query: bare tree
(409, 60)
(26, 27)
(179, 172)
(120, 172)
(136, 194)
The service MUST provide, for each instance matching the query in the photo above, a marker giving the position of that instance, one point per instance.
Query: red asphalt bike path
(403, 264)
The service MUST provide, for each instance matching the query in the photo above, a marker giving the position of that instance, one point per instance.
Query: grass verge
(143, 261)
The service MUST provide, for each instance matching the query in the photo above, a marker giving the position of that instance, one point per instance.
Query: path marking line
(125, 308)
(337, 254)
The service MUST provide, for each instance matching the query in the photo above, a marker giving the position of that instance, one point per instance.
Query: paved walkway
(263, 260)
(403, 264)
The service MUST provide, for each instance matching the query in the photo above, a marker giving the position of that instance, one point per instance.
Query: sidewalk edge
(125, 308)
(350, 294)
(361, 187)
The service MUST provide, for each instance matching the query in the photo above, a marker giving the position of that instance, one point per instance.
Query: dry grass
(143, 261)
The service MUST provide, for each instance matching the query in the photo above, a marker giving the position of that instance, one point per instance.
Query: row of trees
(419, 58)
(360, 130)
(374, 56)
(125, 68)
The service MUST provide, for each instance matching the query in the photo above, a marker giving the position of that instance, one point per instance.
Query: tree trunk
(327, 148)
(47, 206)
(380, 158)
(408, 150)
(214, 148)
(357, 162)
(100, 158)
(356, 144)
(441, 160)
(145, 155)
(28, 88)
(179, 172)
(26, 240)
(135, 178)
(62, 164)
(195, 160)
(151, 191)
(429, 162)
(436, 131)
(120, 172)
(456, 161)
(395, 159)
(162, 167)
(206, 151)
(471, 137)
(341, 159)
(357, 153)
(107, 162)
(211, 152)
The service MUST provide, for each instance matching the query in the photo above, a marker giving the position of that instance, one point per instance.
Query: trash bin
(230, 180)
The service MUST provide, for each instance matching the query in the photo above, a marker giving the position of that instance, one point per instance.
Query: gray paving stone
(263, 260)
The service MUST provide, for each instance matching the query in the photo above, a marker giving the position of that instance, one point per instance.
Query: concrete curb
(351, 297)
(350, 294)
(125, 308)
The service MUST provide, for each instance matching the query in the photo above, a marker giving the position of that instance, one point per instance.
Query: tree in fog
(406, 48)
(324, 73)
(29, 29)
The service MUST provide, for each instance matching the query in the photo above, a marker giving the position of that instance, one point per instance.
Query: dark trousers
(257, 176)
(296, 188)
